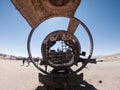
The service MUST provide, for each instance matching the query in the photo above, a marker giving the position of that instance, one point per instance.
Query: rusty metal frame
(85, 63)
(37, 11)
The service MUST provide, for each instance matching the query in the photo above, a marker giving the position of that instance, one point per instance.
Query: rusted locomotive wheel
(74, 22)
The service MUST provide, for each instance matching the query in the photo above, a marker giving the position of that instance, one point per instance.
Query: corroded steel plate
(35, 11)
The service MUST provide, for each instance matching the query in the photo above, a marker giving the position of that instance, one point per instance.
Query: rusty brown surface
(36, 11)
(66, 54)
(73, 24)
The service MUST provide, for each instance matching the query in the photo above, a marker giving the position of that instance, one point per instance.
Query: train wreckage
(61, 76)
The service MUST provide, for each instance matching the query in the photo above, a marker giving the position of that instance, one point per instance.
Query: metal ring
(80, 68)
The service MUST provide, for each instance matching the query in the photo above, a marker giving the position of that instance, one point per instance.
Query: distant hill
(11, 57)
(99, 58)
(111, 57)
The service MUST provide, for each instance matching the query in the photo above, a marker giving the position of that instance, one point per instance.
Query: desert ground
(105, 75)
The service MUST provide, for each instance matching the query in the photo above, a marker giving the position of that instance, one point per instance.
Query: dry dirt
(102, 76)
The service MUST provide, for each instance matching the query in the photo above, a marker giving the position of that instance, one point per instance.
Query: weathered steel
(61, 83)
(65, 56)
(45, 61)
(35, 11)
(61, 59)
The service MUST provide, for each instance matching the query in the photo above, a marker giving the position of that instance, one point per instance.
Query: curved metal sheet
(35, 11)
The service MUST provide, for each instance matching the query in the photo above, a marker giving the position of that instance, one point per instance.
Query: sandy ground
(102, 76)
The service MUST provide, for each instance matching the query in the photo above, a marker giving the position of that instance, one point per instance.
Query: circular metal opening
(60, 49)
(75, 20)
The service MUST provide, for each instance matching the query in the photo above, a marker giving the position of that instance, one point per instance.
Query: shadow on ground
(84, 86)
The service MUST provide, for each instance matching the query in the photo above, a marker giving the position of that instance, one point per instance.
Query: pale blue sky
(101, 16)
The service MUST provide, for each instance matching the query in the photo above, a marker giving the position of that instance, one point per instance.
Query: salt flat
(102, 76)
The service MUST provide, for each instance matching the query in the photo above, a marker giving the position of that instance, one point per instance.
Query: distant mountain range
(103, 57)
(112, 57)
(11, 57)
